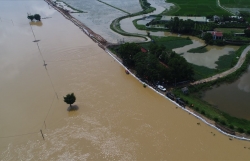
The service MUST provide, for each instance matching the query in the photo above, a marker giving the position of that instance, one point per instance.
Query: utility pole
(42, 134)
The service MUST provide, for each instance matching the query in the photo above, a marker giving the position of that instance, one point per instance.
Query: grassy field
(229, 30)
(235, 3)
(195, 7)
(169, 42)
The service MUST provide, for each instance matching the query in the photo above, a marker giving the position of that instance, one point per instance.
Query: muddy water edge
(117, 119)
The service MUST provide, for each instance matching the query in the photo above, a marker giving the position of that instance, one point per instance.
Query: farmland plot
(235, 3)
(197, 8)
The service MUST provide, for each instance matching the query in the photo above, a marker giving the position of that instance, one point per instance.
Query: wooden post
(42, 134)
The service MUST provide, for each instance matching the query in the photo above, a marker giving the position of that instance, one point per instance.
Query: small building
(216, 35)
(184, 90)
(216, 18)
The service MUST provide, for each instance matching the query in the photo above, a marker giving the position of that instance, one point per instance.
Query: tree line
(159, 64)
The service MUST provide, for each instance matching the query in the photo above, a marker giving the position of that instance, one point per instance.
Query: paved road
(237, 66)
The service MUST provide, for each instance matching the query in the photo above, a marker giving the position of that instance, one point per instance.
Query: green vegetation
(70, 99)
(201, 49)
(195, 95)
(113, 7)
(235, 3)
(169, 42)
(36, 17)
(143, 27)
(194, 8)
(229, 30)
(30, 17)
(159, 64)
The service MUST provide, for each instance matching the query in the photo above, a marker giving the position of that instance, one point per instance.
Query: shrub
(240, 130)
(222, 122)
(216, 119)
(231, 126)
(144, 85)
(203, 112)
(248, 131)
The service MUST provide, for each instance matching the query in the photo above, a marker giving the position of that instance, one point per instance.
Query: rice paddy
(196, 8)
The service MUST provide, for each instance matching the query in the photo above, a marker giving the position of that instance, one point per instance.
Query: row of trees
(157, 65)
(37, 17)
(181, 26)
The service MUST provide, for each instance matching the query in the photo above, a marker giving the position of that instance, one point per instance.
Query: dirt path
(237, 66)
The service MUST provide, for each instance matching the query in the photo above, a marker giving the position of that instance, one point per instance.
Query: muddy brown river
(117, 118)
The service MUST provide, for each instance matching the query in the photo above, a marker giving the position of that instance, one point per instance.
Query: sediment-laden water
(117, 118)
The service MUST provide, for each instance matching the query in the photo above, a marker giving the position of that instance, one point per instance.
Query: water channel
(117, 118)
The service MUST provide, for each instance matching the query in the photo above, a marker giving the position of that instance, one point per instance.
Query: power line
(18, 135)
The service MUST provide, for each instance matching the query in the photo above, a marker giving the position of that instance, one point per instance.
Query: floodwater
(232, 98)
(207, 59)
(99, 16)
(117, 118)
(128, 26)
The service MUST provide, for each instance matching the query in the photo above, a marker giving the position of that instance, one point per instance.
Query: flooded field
(128, 26)
(207, 59)
(232, 98)
(117, 119)
(99, 16)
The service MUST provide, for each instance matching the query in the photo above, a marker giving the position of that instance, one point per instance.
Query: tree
(247, 32)
(31, 17)
(70, 99)
(208, 38)
(37, 17)
(127, 52)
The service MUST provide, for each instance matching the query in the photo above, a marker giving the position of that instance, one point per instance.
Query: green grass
(235, 3)
(201, 49)
(169, 42)
(230, 30)
(195, 8)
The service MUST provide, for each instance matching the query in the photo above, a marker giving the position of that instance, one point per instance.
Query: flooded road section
(232, 98)
(117, 118)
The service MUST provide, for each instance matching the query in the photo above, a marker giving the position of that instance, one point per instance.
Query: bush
(202, 112)
(197, 109)
(144, 85)
(222, 122)
(240, 130)
(248, 132)
(231, 126)
(216, 119)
